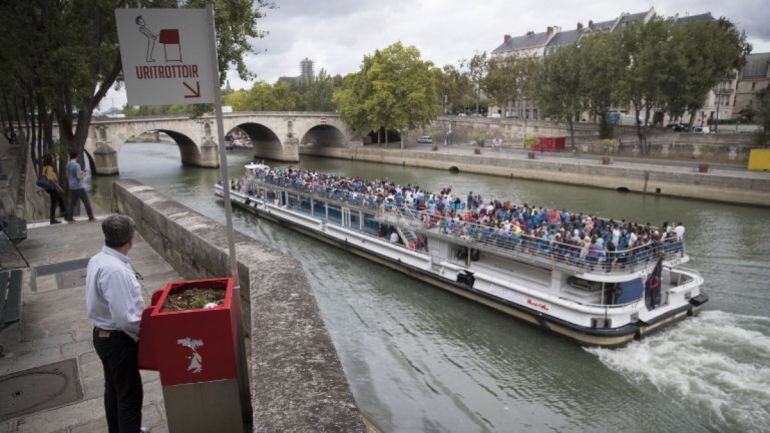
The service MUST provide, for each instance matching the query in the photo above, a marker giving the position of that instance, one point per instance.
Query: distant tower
(306, 66)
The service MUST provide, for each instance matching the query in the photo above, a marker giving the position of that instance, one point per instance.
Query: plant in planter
(610, 145)
(528, 142)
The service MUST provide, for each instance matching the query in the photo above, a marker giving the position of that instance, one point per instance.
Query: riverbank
(723, 185)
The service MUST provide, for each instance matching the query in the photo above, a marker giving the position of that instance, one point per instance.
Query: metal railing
(521, 246)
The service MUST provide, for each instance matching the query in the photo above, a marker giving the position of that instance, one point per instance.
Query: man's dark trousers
(83, 196)
(122, 384)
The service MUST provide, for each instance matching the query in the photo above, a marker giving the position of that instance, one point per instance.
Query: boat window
(335, 214)
(354, 219)
(293, 201)
(271, 196)
(319, 208)
(589, 286)
(304, 203)
(371, 225)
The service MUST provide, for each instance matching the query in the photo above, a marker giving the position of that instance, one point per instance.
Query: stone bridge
(274, 135)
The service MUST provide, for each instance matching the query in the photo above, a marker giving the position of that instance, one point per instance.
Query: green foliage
(558, 86)
(395, 89)
(671, 67)
(508, 78)
(610, 145)
(314, 95)
(530, 141)
(457, 87)
(762, 137)
(65, 53)
(476, 67)
(600, 64)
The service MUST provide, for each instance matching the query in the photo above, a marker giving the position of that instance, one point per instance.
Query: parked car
(425, 139)
(677, 127)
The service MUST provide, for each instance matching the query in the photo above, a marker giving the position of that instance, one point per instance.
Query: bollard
(703, 168)
(196, 353)
(606, 160)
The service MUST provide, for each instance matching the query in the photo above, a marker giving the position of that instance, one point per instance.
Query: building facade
(754, 77)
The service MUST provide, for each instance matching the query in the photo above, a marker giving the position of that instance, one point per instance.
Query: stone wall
(664, 143)
(737, 187)
(297, 381)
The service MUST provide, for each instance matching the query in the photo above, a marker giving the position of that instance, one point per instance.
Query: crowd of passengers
(553, 232)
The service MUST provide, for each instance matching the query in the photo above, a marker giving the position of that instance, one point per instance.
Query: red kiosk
(196, 353)
(550, 144)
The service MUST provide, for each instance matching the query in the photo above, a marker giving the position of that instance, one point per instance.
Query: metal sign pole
(222, 153)
(244, 383)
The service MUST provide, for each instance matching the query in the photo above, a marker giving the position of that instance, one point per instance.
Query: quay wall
(728, 146)
(297, 381)
(705, 186)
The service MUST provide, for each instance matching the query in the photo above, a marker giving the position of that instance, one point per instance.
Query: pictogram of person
(151, 37)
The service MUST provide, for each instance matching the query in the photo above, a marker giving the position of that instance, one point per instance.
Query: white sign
(166, 56)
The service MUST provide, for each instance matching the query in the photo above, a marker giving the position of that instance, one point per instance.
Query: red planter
(550, 144)
(190, 346)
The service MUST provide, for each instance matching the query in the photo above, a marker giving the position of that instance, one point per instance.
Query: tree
(508, 78)
(477, 70)
(395, 89)
(763, 116)
(71, 53)
(351, 99)
(558, 86)
(456, 86)
(647, 70)
(699, 70)
(600, 65)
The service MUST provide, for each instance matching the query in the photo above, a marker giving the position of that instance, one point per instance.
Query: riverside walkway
(54, 333)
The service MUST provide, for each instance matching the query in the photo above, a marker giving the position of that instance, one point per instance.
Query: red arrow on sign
(196, 93)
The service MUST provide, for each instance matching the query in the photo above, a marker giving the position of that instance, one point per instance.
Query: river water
(419, 359)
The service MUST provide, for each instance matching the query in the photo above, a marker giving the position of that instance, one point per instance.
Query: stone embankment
(297, 381)
(727, 146)
(731, 186)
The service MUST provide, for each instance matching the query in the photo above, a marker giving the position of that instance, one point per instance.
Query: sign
(166, 56)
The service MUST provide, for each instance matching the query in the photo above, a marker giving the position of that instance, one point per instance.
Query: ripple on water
(719, 361)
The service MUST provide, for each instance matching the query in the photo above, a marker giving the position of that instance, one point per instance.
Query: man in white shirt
(679, 230)
(114, 305)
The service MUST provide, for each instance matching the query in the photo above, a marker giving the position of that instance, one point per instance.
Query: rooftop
(756, 66)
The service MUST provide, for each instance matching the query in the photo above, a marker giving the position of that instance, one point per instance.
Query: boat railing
(522, 246)
(542, 248)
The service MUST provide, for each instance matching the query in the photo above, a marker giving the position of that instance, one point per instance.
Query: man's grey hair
(118, 230)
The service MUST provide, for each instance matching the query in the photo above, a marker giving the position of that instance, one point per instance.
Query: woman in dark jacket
(50, 173)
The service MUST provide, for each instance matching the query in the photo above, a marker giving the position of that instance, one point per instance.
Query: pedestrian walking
(75, 176)
(114, 305)
(56, 190)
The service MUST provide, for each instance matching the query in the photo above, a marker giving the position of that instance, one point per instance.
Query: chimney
(549, 30)
(506, 39)
(579, 25)
(590, 24)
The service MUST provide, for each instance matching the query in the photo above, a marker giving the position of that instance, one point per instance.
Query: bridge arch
(324, 135)
(189, 152)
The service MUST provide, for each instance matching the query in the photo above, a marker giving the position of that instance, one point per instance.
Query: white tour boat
(602, 302)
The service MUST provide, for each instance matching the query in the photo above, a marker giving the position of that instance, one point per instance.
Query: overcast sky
(336, 34)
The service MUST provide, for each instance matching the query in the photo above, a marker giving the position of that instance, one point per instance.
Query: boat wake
(719, 362)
